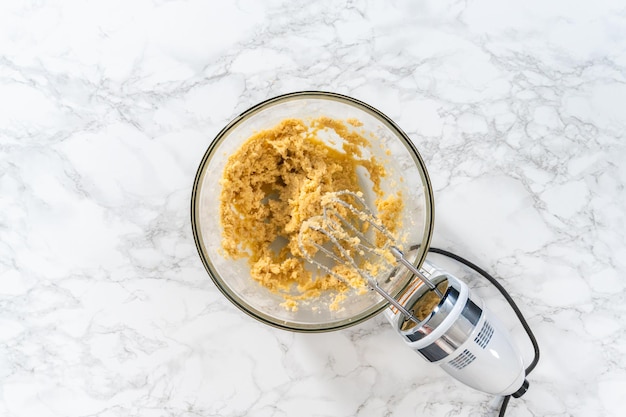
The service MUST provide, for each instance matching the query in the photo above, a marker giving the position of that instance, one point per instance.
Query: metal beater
(346, 238)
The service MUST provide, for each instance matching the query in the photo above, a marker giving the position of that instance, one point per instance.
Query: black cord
(509, 299)
(505, 403)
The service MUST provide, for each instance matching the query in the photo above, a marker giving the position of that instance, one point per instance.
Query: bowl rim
(221, 284)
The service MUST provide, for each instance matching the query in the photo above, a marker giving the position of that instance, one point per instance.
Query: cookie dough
(275, 181)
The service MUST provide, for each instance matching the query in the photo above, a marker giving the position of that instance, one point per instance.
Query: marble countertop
(106, 108)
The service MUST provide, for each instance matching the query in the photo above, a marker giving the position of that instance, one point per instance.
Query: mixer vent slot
(484, 336)
(464, 359)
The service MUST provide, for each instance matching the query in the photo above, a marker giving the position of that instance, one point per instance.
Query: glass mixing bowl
(406, 172)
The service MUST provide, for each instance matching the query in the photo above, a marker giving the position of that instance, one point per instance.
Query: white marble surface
(106, 107)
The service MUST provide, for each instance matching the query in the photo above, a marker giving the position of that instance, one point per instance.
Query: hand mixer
(453, 329)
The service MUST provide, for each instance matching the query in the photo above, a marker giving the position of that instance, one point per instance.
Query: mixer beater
(346, 241)
(436, 315)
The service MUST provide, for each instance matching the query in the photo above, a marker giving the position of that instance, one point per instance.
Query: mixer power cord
(509, 299)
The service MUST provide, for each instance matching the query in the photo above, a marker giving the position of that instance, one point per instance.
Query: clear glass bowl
(406, 172)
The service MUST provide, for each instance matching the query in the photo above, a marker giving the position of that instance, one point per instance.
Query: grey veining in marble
(106, 107)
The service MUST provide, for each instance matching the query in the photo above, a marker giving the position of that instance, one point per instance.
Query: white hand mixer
(449, 328)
